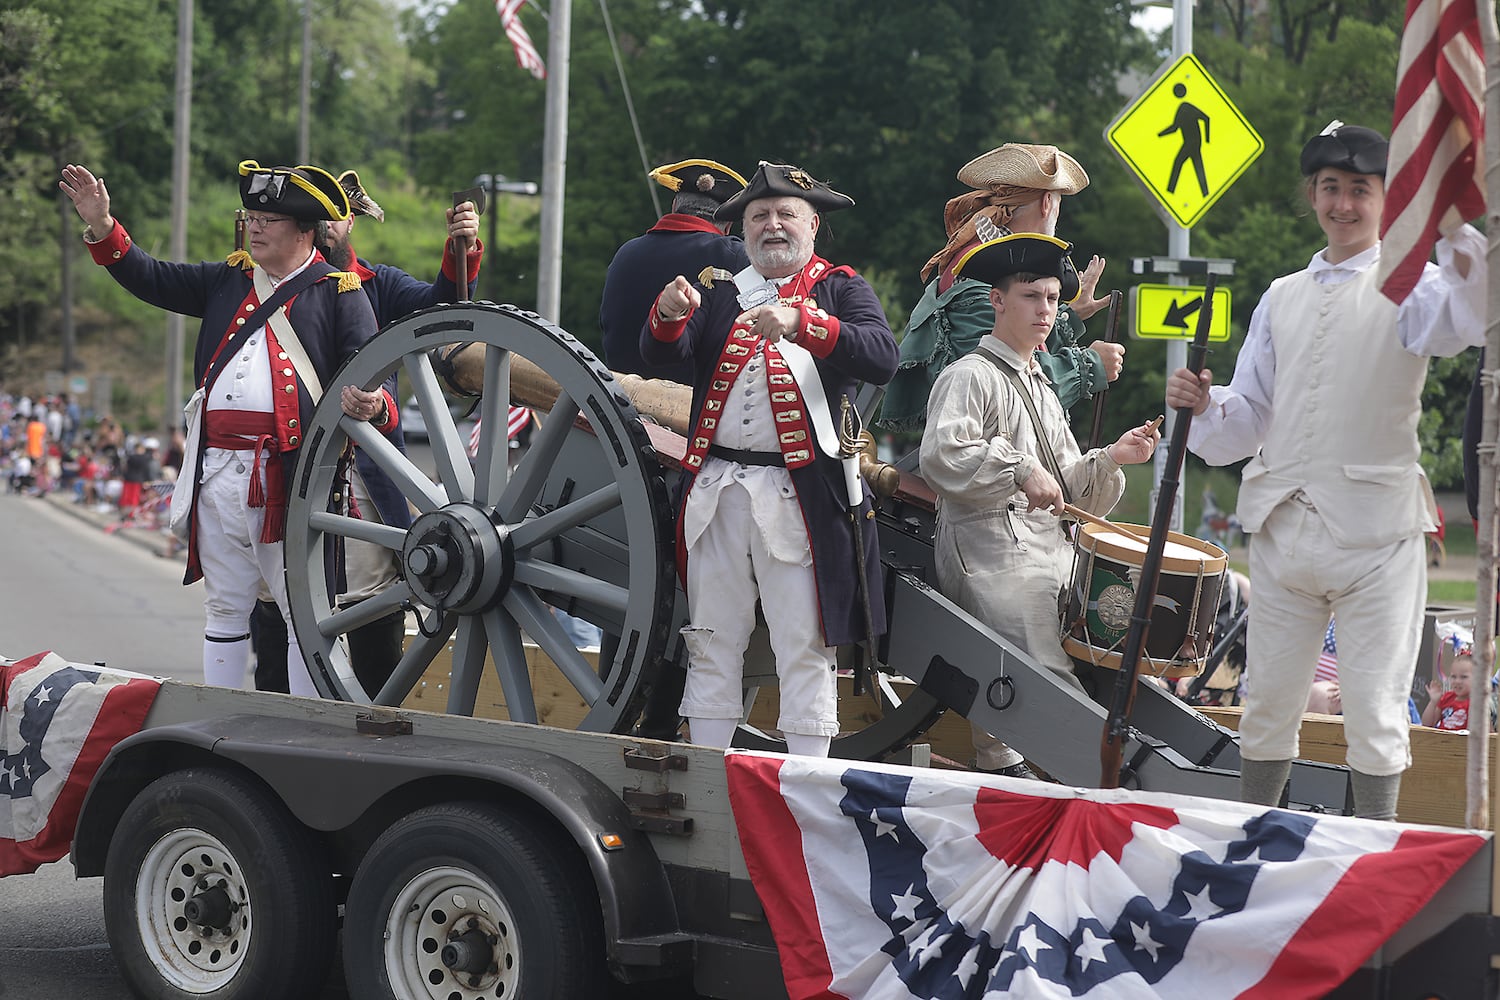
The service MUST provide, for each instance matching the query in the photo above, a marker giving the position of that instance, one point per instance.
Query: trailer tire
(463, 901)
(212, 889)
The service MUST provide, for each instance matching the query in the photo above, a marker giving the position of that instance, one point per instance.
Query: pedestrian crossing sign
(1184, 140)
(1170, 312)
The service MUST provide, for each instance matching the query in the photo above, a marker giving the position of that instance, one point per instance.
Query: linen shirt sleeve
(959, 459)
(1444, 314)
(1234, 425)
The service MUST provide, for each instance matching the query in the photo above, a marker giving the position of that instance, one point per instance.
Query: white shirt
(1443, 315)
(749, 424)
(244, 383)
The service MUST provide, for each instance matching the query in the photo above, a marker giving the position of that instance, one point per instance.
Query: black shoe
(1016, 770)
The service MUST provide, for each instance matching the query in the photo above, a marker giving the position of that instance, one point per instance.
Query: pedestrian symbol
(1184, 140)
(1170, 312)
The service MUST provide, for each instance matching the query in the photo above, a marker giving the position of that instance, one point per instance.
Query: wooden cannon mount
(583, 522)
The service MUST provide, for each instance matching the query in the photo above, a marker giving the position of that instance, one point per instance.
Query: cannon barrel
(668, 403)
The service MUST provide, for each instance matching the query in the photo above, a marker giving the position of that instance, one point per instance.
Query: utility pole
(1179, 240)
(554, 160)
(304, 95)
(182, 130)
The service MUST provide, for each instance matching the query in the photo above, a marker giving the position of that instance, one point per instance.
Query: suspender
(1048, 458)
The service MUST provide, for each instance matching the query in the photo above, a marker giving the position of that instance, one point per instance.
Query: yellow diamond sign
(1184, 140)
(1170, 312)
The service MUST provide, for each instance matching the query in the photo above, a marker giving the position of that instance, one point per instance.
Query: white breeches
(729, 567)
(1377, 596)
(235, 564)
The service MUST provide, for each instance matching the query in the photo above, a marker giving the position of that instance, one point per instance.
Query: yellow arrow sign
(1170, 312)
(1184, 140)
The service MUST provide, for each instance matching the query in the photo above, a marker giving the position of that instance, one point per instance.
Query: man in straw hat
(998, 452)
(1016, 188)
(273, 322)
(374, 649)
(683, 241)
(1325, 401)
(765, 509)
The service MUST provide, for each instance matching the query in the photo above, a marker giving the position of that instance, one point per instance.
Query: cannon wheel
(581, 523)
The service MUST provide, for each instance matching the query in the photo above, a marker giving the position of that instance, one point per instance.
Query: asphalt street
(90, 596)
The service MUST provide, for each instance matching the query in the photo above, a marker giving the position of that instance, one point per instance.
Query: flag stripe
(1436, 166)
(1406, 878)
(783, 885)
(51, 749)
(527, 57)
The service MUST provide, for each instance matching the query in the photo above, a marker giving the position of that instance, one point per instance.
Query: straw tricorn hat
(1021, 164)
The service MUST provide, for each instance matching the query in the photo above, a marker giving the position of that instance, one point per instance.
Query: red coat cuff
(392, 415)
(816, 330)
(475, 255)
(667, 331)
(112, 248)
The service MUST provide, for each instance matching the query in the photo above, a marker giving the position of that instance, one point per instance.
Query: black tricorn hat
(782, 180)
(308, 194)
(360, 202)
(705, 177)
(1021, 253)
(1354, 148)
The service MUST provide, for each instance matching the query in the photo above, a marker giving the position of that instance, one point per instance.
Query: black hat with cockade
(782, 180)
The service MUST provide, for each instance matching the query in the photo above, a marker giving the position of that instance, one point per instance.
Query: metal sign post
(1185, 143)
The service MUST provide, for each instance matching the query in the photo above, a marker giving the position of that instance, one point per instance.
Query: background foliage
(885, 100)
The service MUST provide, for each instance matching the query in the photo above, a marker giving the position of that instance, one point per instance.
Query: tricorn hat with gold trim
(309, 194)
(705, 177)
(1021, 253)
(782, 180)
(360, 202)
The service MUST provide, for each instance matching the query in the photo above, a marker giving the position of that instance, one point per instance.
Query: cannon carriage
(583, 523)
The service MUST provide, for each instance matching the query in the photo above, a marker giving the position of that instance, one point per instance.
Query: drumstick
(1084, 515)
(1155, 424)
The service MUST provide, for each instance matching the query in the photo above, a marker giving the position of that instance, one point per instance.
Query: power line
(640, 144)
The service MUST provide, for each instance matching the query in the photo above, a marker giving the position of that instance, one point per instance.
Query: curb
(154, 540)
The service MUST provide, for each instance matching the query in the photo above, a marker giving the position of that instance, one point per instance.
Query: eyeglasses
(264, 221)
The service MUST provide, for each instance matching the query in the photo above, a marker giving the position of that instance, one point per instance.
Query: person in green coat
(1016, 188)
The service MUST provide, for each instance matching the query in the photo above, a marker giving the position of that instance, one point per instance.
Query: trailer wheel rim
(185, 867)
(450, 936)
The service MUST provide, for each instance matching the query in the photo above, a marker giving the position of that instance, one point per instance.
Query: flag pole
(1478, 816)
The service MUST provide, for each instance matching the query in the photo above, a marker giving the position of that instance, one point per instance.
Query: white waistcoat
(1344, 418)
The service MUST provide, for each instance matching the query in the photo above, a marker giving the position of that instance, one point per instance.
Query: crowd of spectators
(49, 444)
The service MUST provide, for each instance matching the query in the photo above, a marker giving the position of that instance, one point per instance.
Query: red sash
(242, 430)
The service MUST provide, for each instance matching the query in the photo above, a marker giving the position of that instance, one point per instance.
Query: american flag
(527, 56)
(1435, 175)
(1328, 659)
(58, 721)
(882, 882)
(516, 421)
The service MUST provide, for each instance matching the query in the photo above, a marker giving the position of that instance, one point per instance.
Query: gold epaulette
(240, 259)
(709, 275)
(348, 281)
